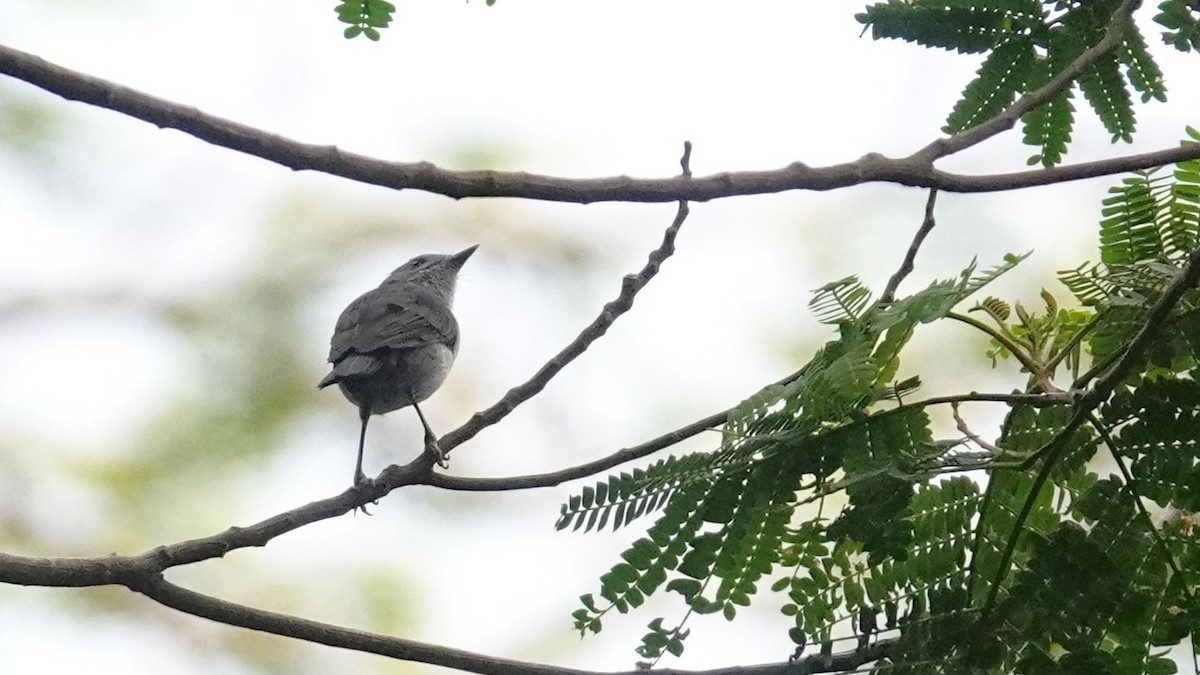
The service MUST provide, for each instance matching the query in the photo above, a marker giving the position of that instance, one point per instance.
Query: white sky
(567, 88)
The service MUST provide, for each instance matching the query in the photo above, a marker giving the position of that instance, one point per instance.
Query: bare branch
(102, 570)
(1039, 400)
(221, 611)
(233, 614)
(916, 170)
(630, 286)
(906, 267)
(583, 470)
(961, 425)
(1000, 182)
(141, 576)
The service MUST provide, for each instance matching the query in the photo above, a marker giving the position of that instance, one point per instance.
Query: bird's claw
(361, 482)
(435, 450)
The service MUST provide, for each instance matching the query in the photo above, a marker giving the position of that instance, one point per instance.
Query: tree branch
(190, 602)
(624, 455)
(916, 170)
(102, 570)
(143, 577)
(221, 611)
(1000, 182)
(906, 267)
(583, 470)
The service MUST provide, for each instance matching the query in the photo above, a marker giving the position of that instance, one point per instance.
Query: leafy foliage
(833, 492)
(1041, 341)
(1182, 21)
(1150, 223)
(729, 519)
(365, 17)
(1028, 43)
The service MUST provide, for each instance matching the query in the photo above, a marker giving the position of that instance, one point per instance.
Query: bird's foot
(361, 482)
(435, 450)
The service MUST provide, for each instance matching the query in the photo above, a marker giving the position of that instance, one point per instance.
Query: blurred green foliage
(1088, 580)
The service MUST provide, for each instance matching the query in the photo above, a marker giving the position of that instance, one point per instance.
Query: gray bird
(394, 345)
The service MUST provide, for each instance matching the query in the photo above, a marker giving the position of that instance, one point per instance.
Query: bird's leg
(364, 414)
(360, 477)
(431, 444)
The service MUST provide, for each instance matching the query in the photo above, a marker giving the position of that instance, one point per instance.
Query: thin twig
(1033, 400)
(1122, 19)
(553, 478)
(592, 468)
(961, 425)
(630, 286)
(906, 267)
(101, 570)
(1019, 180)
(996, 335)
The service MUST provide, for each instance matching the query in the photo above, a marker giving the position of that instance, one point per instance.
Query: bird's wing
(382, 319)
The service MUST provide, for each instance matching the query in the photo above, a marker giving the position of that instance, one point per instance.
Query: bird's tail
(354, 365)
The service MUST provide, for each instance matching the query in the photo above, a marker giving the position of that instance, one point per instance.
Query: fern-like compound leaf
(967, 27)
(1105, 89)
(839, 301)
(1141, 68)
(1182, 23)
(1002, 76)
(365, 17)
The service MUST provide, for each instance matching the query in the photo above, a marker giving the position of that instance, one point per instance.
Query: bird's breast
(424, 368)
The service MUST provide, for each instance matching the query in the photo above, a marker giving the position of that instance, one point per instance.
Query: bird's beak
(457, 260)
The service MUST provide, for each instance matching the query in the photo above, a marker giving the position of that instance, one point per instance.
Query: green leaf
(1049, 127)
(688, 588)
(1184, 26)
(1104, 87)
(1140, 67)
(1002, 76)
(967, 28)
